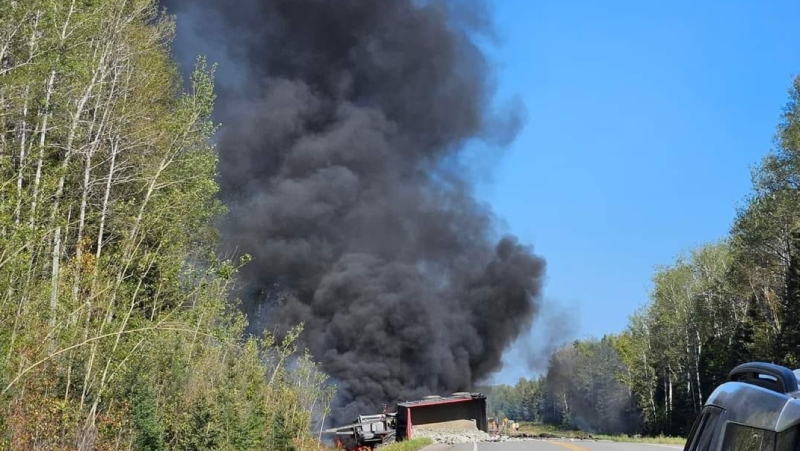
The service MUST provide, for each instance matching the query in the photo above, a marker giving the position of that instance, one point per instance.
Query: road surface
(558, 445)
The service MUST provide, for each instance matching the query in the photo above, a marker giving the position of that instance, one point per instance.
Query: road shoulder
(437, 447)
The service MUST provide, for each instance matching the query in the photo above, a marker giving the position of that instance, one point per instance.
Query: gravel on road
(451, 432)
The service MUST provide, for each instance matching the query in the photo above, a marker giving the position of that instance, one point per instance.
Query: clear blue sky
(644, 120)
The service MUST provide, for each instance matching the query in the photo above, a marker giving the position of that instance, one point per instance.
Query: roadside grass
(550, 431)
(407, 445)
(658, 439)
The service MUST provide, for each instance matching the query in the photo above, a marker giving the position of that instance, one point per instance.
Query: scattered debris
(452, 435)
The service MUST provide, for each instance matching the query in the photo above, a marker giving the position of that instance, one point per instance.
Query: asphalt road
(559, 445)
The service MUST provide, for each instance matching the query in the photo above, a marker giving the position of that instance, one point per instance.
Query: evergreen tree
(787, 342)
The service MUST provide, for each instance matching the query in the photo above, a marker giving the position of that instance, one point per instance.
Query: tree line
(116, 329)
(714, 307)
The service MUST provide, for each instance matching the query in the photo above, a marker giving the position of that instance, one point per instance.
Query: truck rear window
(739, 437)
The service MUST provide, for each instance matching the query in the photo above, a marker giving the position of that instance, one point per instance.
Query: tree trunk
(54, 279)
(106, 196)
(40, 160)
(21, 161)
(697, 373)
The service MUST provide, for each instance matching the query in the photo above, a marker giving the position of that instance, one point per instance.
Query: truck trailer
(368, 432)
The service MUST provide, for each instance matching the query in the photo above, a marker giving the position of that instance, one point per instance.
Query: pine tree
(787, 343)
(280, 438)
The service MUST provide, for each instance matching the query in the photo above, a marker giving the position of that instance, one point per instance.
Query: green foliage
(199, 432)
(414, 444)
(147, 425)
(118, 330)
(524, 401)
(280, 436)
(582, 389)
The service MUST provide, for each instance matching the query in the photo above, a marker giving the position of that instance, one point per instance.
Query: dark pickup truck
(756, 409)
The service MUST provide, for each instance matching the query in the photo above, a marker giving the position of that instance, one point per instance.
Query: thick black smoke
(342, 123)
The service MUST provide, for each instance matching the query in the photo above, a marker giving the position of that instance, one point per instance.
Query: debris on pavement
(452, 432)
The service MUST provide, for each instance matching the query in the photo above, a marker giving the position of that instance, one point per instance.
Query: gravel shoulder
(463, 435)
(451, 432)
(437, 447)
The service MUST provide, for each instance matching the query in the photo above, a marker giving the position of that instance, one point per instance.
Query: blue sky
(644, 119)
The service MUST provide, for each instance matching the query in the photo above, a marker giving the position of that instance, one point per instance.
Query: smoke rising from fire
(342, 126)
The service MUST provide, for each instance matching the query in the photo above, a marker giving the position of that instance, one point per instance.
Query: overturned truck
(436, 409)
(368, 432)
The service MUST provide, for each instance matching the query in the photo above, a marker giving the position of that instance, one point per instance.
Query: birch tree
(116, 311)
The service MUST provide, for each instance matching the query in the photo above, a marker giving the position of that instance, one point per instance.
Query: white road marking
(474, 446)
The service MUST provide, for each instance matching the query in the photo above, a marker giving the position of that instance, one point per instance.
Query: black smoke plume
(342, 129)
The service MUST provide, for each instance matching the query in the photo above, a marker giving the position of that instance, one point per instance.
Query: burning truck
(368, 432)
